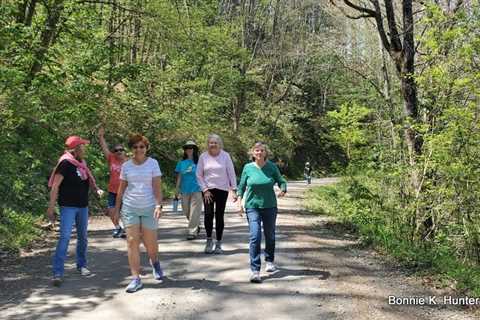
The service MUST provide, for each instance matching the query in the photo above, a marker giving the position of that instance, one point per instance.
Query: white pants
(192, 209)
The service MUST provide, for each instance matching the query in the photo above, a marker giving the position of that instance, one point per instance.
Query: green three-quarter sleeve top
(256, 185)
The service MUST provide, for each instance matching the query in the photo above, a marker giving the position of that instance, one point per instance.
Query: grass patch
(17, 230)
(362, 209)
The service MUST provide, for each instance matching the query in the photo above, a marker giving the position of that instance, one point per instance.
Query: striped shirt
(139, 191)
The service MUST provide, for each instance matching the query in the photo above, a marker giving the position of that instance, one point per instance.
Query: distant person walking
(140, 198)
(216, 176)
(189, 190)
(115, 159)
(256, 187)
(307, 172)
(70, 182)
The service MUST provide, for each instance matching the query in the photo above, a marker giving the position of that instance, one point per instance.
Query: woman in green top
(256, 186)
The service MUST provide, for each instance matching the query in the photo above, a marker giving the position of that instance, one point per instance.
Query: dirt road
(324, 275)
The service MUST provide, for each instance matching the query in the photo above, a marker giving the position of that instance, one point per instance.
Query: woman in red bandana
(70, 182)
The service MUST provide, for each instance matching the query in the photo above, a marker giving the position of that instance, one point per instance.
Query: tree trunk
(240, 102)
(47, 36)
(22, 7)
(30, 12)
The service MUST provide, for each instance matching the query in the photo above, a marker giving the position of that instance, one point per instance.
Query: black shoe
(117, 232)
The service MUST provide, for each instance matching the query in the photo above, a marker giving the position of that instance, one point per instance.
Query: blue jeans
(256, 217)
(68, 216)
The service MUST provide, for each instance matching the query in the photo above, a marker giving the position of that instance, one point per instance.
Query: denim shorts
(139, 216)
(111, 200)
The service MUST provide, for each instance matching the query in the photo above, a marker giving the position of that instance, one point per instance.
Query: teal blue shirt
(188, 182)
(256, 185)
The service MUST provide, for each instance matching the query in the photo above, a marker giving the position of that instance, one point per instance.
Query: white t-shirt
(139, 191)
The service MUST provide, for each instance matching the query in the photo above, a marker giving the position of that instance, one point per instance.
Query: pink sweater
(216, 172)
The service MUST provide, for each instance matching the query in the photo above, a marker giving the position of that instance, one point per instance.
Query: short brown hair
(136, 138)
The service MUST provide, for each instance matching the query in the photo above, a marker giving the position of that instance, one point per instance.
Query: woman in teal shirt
(256, 186)
(189, 189)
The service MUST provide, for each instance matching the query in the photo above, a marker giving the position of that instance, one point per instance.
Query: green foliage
(347, 127)
(420, 208)
(172, 72)
(16, 229)
(281, 75)
(377, 224)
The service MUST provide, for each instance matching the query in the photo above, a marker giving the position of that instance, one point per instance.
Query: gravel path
(324, 275)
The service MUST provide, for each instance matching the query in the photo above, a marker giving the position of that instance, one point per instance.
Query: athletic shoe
(218, 247)
(117, 232)
(57, 281)
(134, 286)
(191, 237)
(270, 267)
(255, 277)
(84, 271)
(209, 246)
(157, 271)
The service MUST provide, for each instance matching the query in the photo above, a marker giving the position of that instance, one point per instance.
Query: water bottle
(175, 204)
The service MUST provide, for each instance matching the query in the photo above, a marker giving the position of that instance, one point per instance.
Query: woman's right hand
(51, 215)
(208, 196)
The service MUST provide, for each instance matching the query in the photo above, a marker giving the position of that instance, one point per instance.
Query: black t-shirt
(73, 191)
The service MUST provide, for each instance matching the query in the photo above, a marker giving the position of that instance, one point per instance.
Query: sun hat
(190, 143)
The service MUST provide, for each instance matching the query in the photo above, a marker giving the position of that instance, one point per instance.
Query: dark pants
(257, 217)
(215, 208)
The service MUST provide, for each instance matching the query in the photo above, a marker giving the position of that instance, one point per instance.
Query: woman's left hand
(157, 213)
(282, 194)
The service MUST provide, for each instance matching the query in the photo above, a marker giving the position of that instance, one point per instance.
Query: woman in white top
(139, 196)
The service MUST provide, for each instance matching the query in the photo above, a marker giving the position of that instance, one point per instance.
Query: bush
(377, 224)
(17, 230)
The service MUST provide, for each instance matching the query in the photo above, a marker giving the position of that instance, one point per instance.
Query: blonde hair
(259, 144)
(216, 137)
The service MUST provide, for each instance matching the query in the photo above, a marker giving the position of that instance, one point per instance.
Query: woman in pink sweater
(216, 177)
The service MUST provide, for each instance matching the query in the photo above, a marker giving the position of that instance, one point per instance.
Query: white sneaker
(255, 277)
(218, 248)
(85, 272)
(209, 246)
(270, 267)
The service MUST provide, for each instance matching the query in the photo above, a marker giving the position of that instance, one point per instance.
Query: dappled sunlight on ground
(323, 275)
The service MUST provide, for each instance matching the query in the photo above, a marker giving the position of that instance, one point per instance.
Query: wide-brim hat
(190, 143)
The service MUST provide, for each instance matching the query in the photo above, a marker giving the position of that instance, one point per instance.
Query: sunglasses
(119, 150)
(139, 147)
